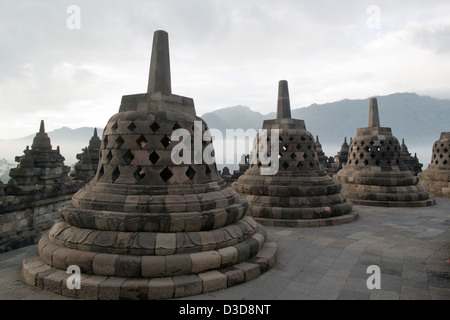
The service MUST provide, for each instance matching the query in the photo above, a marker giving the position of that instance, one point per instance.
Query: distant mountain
(418, 119)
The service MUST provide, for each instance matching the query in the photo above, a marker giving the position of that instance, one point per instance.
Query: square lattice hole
(131, 126)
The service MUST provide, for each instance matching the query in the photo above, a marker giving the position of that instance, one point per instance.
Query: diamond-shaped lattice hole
(445, 162)
(291, 139)
(128, 157)
(372, 155)
(442, 144)
(311, 164)
(285, 165)
(309, 147)
(293, 156)
(142, 142)
(119, 142)
(368, 149)
(190, 173)
(445, 150)
(436, 162)
(371, 142)
(397, 162)
(349, 161)
(377, 162)
(154, 126)
(115, 174)
(299, 165)
(259, 164)
(114, 126)
(139, 174)
(362, 143)
(303, 138)
(153, 157)
(105, 142)
(389, 162)
(165, 141)
(131, 126)
(280, 138)
(305, 155)
(366, 162)
(441, 156)
(208, 170)
(166, 174)
(361, 155)
(356, 161)
(109, 156)
(285, 147)
(299, 147)
(176, 126)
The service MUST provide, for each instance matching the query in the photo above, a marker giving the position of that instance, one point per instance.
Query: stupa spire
(159, 77)
(374, 118)
(42, 127)
(284, 105)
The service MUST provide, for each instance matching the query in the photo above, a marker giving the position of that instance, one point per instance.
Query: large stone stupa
(375, 174)
(300, 193)
(145, 227)
(436, 178)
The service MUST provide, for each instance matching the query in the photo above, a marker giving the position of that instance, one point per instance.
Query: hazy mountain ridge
(418, 119)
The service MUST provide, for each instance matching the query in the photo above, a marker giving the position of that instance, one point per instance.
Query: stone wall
(22, 222)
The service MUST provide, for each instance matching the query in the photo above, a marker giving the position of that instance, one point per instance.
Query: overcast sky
(70, 67)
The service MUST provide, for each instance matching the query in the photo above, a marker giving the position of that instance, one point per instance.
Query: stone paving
(410, 245)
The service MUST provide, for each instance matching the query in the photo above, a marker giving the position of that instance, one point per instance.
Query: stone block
(234, 276)
(229, 256)
(251, 270)
(187, 285)
(104, 264)
(161, 288)
(110, 288)
(178, 264)
(153, 266)
(204, 261)
(213, 280)
(166, 243)
(128, 266)
(134, 289)
(89, 289)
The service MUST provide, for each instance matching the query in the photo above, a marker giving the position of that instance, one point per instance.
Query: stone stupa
(300, 193)
(375, 174)
(41, 172)
(145, 227)
(436, 178)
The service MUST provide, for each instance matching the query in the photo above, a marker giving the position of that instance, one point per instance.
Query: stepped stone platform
(436, 178)
(300, 193)
(148, 226)
(375, 174)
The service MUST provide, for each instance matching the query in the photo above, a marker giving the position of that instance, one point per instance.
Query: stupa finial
(374, 119)
(159, 78)
(284, 105)
(42, 127)
(95, 133)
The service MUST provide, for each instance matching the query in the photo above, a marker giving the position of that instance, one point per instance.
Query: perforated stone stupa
(41, 172)
(300, 194)
(145, 227)
(374, 173)
(436, 178)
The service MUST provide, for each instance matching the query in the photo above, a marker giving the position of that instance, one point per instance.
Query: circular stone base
(306, 223)
(422, 203)
(95, 287)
